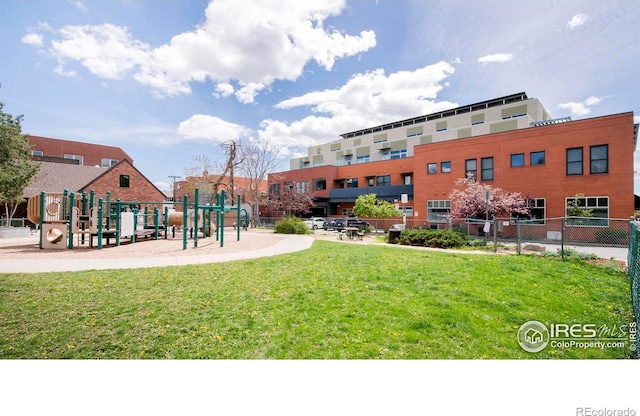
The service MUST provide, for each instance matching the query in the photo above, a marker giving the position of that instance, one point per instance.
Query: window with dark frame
(445, 167)
(471, 168)
(536, 158)
(384, 180)
(124, 181)
(517, 160)
(487, 168)
(599, 159)
(574, 161)
(432, 168)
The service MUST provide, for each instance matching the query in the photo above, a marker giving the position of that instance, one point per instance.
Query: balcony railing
(388, 193)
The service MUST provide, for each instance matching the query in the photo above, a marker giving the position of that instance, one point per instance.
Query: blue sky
(169, 80)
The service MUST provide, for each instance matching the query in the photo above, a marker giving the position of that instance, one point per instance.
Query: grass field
(334, 301)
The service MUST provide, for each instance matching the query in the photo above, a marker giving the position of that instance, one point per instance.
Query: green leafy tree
(370, 206)
(16, 167)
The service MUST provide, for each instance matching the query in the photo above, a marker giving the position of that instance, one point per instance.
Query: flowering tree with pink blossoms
(470, 202)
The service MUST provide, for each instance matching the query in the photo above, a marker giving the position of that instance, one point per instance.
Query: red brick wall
(92, 153)
(140, 189)
(548, 181)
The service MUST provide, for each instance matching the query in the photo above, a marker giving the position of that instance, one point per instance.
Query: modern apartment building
(509, 142)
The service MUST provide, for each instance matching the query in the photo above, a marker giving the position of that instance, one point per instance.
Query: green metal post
(118, 225)
(72, 198)
(166, 221)
(92, 198)
(155, 222)
(222, 199)
(185, 219)
(135, 224)
(195, 218)
(43, 195)
(146, 213)
(84, 212)
(99, 223)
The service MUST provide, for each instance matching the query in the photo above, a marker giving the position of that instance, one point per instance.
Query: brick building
(93, 167)
(509, 142)
(66, 151)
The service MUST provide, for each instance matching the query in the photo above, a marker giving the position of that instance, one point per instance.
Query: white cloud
(106, 50)
(223, 89)
(366, 100)
(78, 5)
(578, 20)
(33, 39)
(248, 92)
(636, 119)
(580, 109)
(210, 128)
(497, 57)
(252, 42)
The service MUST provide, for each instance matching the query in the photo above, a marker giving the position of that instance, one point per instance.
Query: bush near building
(432, 238)
(291, 225)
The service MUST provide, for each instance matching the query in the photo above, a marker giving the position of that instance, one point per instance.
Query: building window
(590, 211)
(517, 160)
(75, 157)
(407, 179)
(384, 180)
(599, 156)
(399, 154)
(107, 163)
(536, 158)
(574, 161)
(487, 169)
(432, 168)
(438, 210)
(346, 212)
(536, 213)
(445, 167)
(37, 153)
(124, 181)
(274, 189)
(370, 181)
(320, 184)
(470, 168)
(352, 183)
(386, 155)
(362, 159)
(406, 211)
(288, 185)
(302, 187)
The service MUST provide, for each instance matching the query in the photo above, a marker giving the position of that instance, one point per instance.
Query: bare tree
(258, 158)
(207, 176)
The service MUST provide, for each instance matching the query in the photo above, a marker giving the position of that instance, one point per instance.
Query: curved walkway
(289, 244)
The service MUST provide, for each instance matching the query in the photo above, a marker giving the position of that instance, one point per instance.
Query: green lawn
(341, 301)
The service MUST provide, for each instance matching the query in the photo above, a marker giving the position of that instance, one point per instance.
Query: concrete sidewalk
(290, 244)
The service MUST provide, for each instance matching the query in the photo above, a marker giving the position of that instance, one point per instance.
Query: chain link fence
(633, 263)
(605, 238)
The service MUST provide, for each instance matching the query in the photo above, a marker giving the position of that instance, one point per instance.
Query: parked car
(342, 223)
(329, 224)
(315, 222)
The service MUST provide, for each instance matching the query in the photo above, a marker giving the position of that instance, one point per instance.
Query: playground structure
(61, 216)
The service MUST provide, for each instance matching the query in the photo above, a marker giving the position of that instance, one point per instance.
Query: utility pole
(173, 185)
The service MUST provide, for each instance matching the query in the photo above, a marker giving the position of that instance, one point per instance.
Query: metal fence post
(562, 223)
(518, 246)
(495, 235)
